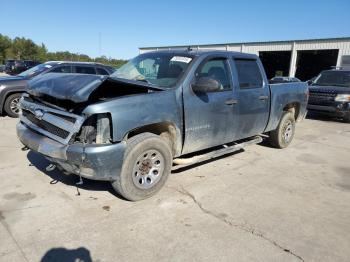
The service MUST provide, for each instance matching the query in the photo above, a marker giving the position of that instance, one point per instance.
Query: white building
(301, 58)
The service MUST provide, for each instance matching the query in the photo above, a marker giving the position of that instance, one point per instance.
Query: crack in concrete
(20, 209)
(7, 228)
(8, 166)
(183, 191)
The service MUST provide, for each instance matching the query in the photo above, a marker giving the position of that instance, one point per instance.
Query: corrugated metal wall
(342, 44)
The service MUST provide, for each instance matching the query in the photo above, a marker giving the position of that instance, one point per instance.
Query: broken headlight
(97, 129)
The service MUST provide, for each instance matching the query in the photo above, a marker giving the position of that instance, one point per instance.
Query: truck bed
(286, 94)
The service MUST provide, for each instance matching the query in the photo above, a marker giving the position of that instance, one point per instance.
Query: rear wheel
(146, 167)
(283, 135)
(11, 106)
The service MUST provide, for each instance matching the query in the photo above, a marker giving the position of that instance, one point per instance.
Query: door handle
(263, 97)
(231, 102)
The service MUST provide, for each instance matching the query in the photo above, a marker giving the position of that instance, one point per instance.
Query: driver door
(210, 117)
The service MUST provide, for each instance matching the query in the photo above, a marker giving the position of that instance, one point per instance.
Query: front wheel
(11, 106)
(283, 135)
(146, 167)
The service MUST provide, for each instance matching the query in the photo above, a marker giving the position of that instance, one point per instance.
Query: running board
(181, 162)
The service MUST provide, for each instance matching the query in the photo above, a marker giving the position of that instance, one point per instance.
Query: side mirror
(205, 85)
(309, 82)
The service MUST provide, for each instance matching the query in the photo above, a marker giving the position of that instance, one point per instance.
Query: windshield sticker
(182, 59)
(48, 66)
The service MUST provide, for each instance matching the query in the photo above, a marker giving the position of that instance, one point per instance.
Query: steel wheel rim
(148, 169)
(288, 132)
(14, 106)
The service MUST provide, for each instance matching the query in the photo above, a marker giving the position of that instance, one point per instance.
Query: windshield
(333, 78)
(36, 70)
(160, 69)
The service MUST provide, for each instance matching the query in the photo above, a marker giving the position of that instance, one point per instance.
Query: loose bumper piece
(93, 161)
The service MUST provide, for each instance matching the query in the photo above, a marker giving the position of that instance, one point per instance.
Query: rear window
(85, 70)
(249, 75)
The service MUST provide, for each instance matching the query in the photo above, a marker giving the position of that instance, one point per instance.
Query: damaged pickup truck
(159, 109)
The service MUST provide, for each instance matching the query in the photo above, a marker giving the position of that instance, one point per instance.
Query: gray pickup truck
(159, 109)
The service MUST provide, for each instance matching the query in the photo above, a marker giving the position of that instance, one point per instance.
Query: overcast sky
(118, 28)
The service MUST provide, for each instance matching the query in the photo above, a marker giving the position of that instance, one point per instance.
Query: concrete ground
(263, 204)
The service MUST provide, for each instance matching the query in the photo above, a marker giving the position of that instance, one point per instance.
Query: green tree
(22, 48)
(41, 53)
(5, 44)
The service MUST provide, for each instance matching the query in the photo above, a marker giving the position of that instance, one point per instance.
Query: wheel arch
(6, 93)
(294, 108)
(166, 130)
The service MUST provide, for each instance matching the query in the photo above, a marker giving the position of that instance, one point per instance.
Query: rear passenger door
(253, 98)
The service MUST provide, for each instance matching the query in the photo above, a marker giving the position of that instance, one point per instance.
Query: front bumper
(339, 110)
(97, 162)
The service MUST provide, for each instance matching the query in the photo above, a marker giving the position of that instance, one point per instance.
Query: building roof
(252, 43)
(195, 52)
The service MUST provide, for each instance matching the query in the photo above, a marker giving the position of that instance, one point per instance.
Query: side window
(249, 75)
(62, 69)
(101, 71)
(217, 69)
(85, 70)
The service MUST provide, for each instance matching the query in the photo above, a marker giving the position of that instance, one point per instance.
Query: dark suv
(14, 67)
(12, 87)
(330, 93)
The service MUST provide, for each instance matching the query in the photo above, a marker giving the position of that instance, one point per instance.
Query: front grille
(45, 125)
(322, 95)
(52, 122)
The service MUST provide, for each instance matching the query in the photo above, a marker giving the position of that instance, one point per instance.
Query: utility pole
(99, 43)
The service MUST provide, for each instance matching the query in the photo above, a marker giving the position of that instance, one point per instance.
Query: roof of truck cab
(201, 52)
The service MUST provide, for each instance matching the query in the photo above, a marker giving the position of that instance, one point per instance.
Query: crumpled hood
(74, 87)
(330, 89)
(79, 87)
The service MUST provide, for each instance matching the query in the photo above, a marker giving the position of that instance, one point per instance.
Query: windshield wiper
(143, 80)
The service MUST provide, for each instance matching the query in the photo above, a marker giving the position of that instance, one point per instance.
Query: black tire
(11, 105)
(283, 135)
(140, 167)
(347, 118)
